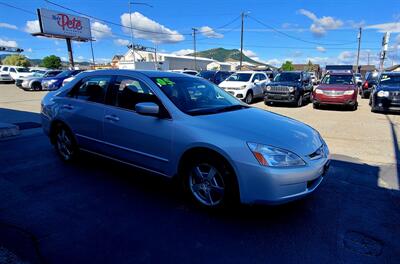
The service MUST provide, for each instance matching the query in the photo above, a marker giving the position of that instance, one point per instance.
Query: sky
(324, 32)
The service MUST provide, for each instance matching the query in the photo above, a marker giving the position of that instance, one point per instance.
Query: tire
(299, 102)
(249, 97)
(315, 106)
(36, 86)
(209, 181)
(354, 107)
(65, 144)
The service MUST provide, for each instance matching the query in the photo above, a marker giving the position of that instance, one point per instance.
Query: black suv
(289, 87)
(216, 77)
(386, 95)
(371, 80)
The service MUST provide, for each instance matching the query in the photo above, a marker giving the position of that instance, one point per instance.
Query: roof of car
(148, 73)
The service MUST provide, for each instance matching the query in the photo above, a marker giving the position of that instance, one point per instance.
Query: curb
(8, 130)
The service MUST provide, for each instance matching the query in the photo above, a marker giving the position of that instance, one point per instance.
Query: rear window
(206, 74)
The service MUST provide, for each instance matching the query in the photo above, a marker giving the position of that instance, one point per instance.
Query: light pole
(131, 27)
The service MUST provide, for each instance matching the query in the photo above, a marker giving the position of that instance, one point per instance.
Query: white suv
(16, 72)
(246, 85)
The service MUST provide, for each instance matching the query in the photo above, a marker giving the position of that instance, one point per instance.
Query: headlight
(51, 81)
(318, 91)
(274, 157)
(383, 94)
(349, 92)
(243, 87)
(291, 89)
(25, 82)
(268, 88)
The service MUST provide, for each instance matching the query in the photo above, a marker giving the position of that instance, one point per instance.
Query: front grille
(332, 93)
(5, 75)
(321, 152)
(17, 82)
(395, 95)
(279, 89)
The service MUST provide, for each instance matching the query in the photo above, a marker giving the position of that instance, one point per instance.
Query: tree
(51, 62)
(17, 60)
(287, 66)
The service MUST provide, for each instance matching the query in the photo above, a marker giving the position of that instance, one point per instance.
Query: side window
(255, 77)
(5, 69)
(92, 89)
(12, 70)
(262, 77)
(129, 91)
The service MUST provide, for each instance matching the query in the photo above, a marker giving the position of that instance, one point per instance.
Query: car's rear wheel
(209, 181)
(249, 97)
(36, 86)
(315, 105)
(65, 144)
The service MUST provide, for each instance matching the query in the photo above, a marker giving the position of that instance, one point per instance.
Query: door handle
(112, 118)
(68, 106)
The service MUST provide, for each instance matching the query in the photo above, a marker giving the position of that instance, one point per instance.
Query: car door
(83, 111)
(13, 73)
(144, 141)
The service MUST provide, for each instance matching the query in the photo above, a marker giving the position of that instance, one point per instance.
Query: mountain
(221, 54)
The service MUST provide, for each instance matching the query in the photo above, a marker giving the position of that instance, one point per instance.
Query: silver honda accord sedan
(176, 125)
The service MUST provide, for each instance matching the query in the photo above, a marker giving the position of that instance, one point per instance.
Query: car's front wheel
(36, 86)
(210, 181)
(65, 144)
(249, 97)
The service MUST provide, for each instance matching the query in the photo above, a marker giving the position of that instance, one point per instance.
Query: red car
(336, 89)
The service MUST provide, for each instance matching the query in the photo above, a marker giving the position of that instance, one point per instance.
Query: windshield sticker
(385, 78)
(164, 82)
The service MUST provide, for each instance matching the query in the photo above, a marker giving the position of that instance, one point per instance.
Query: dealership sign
(59, 24)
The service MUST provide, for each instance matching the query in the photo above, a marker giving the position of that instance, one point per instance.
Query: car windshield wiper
(206, 111)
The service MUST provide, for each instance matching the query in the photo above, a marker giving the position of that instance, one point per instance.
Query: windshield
(195, 96)
(64, 74)
(287, 77)
(37, 74)
(392, 80)
(206, 74)
(22, 69)
(239, 77)
(338, 79)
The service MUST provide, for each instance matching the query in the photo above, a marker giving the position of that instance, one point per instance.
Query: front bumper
(6, 79)
(280, 97)
(240, 94)
(386, 104)
(335, 100)
(267, 185)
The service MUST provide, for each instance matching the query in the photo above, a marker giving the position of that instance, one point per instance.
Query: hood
(31, 78)
(233, 84)
(388, 88)
(337, 87)
(260, 126)
(52, 78)
(24, 74)
(284, 83)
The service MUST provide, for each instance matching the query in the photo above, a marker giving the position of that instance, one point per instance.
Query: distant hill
(221, 54)
(36, 62)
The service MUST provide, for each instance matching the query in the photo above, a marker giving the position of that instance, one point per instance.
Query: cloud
(209, 32)
(29, 50)
(100, 30)
(121, 42)
(8, 43)
(252, 55)
(183, 52)
(274, 62)
(386, 27)
(321, 25)
(148, 29)
(320, 49)
(32, 26)
(297, 54)
(9, 26)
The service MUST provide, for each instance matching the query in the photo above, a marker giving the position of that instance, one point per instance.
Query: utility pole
(131, 27)
(194, 48)
(130, 23)
(358, 51)
(241, 43)
(385, 42)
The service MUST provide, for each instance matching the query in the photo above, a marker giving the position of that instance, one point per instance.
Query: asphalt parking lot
(97, 211)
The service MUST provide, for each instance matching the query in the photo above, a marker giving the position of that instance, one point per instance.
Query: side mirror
(147, 108)
(256, 81)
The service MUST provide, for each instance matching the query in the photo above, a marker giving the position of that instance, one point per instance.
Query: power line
(297, 38)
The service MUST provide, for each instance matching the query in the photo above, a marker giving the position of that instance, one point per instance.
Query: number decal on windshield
(164, 82)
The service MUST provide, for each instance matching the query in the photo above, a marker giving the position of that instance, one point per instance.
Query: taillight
(365, 86)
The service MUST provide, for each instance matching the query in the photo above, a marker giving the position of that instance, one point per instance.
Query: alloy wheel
(249, 98)
(207, 185)
(64, 144)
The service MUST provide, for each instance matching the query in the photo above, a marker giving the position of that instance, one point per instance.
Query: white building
(146, 60)
(220, 66)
